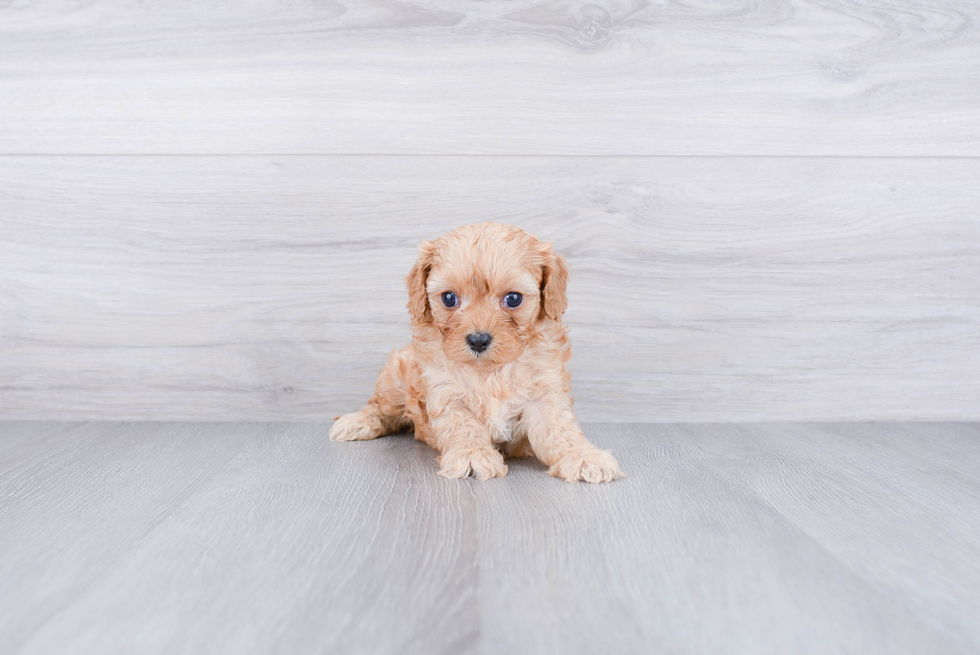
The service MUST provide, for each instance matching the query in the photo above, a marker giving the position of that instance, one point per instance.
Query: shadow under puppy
(485, 374)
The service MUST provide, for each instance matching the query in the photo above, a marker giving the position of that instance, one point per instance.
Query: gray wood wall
(772, 210)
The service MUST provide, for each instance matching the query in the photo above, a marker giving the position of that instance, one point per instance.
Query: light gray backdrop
(772, 210)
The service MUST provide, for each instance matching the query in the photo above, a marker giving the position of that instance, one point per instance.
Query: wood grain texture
(326, 553)
(76, 499)
(258, 288)
(818, 77)
(268, 538)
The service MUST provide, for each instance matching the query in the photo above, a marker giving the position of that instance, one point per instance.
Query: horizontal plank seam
(480, 155)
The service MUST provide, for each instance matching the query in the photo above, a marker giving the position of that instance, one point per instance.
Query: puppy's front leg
(558, 441)
(466, 446)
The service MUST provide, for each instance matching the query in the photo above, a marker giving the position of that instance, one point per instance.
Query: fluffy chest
(496, 397)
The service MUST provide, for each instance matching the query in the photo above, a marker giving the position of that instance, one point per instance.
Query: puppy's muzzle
(478, 341)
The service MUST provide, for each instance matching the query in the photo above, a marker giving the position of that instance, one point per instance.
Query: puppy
(485, 375)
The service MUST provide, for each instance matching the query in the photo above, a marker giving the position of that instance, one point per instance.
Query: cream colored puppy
(485, 375)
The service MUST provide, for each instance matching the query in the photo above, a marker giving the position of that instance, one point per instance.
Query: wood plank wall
(772, 210)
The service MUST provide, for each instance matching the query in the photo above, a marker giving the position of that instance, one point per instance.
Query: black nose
(478, 341)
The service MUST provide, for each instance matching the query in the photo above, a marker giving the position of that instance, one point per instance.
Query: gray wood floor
(231, 538)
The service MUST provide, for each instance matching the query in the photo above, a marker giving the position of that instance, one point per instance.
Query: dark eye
(449, 299)
(513, 299)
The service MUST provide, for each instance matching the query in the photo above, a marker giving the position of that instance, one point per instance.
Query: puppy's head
(486, 288)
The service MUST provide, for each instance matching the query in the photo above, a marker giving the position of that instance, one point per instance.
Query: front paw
(482, 463)
(354, 427)
(587, 466)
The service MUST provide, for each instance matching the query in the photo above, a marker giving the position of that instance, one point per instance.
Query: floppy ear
(553, 281)
(418, 301)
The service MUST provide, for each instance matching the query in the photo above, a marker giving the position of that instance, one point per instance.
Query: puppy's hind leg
(385, 410)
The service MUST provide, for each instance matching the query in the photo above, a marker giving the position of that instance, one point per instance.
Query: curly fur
(511, 400)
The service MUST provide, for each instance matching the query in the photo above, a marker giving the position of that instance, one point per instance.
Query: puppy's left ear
(553, 282)
(418, 298)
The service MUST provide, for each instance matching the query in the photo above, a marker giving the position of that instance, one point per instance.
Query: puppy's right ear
(418, 299)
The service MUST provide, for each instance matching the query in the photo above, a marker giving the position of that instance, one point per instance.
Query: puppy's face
(485, 288)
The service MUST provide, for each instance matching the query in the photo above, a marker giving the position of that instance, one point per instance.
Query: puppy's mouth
(483, 360)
